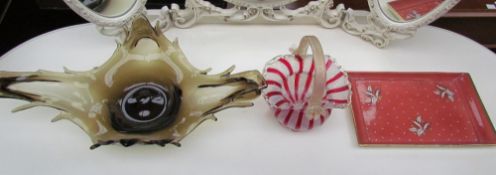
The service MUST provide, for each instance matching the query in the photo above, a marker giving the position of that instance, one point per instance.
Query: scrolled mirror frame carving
(372, 26)
(196, 11)
(376, 29)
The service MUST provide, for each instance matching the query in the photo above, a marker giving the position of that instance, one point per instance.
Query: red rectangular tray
(419, 108)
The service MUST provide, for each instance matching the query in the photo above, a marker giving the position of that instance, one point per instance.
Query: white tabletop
(244, 141)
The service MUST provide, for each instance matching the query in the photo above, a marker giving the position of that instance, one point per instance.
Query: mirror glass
(109, 8)
(408, 10)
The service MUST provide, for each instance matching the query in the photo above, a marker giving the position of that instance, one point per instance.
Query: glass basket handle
(314, 108)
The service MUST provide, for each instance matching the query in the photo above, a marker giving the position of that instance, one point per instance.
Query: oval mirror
(410, 13)
(107, 13)
(109, 8)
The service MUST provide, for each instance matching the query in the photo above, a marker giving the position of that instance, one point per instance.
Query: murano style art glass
(303, 89)
(147, 92)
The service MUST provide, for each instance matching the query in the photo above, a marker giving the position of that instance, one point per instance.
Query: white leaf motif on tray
(419, 127)
(444, 92)
(374, 95)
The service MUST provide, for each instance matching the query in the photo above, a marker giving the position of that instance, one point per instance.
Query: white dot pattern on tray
(434, 106)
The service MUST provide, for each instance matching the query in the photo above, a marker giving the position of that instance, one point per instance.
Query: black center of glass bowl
(145, 107)
(144, 103)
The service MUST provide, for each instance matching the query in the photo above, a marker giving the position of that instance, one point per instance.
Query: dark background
(25, 19)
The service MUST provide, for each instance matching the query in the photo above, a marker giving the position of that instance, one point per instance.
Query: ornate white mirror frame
(373, 26)
(377, 12)
(112, 25)
(379, 29)
(251, 11)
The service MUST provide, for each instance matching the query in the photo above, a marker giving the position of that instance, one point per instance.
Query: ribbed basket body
(290, 84)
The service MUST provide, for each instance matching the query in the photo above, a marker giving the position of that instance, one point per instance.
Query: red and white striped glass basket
(303, 89)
